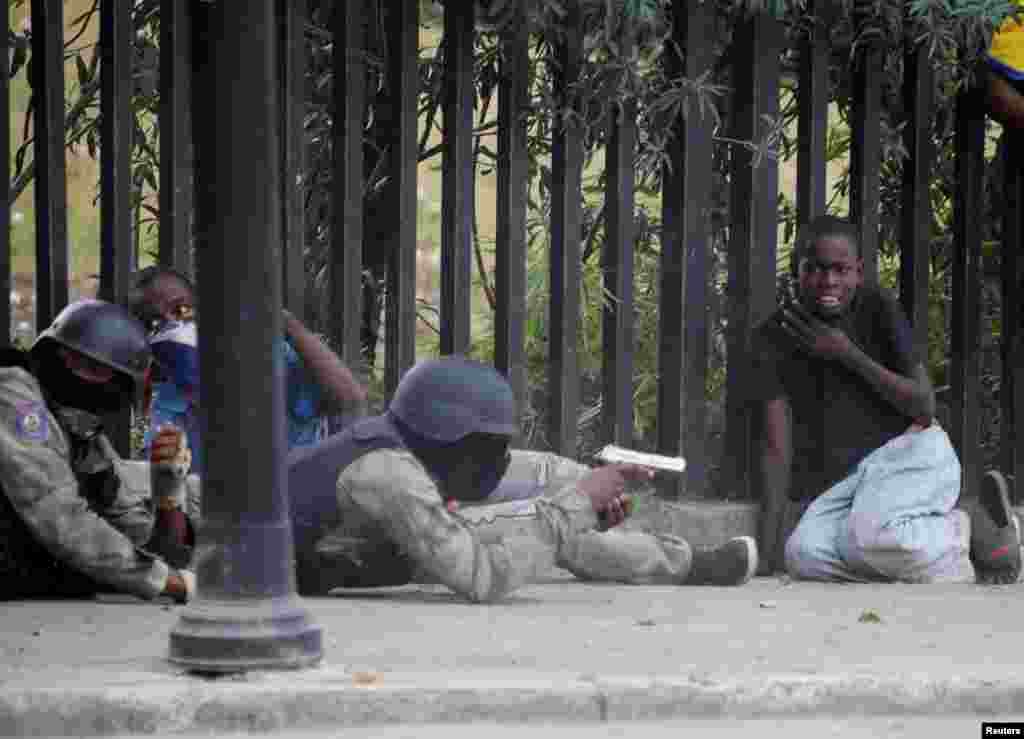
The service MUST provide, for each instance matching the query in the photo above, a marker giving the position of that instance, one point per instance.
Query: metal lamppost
(247, 614)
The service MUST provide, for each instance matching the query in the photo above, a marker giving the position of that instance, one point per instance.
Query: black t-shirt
(838, 417)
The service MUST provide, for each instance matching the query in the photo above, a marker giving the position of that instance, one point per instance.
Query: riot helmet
(445, 400)
(105, 333)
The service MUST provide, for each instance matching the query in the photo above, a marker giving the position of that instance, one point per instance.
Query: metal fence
(684, 321)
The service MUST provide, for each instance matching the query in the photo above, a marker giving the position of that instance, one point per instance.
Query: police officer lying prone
(75, 519)
(371, 505)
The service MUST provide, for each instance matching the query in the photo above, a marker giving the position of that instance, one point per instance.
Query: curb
(706, 523)
(325, 698)
(702, 524)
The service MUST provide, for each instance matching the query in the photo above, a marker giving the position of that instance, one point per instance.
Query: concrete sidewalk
(561, 651)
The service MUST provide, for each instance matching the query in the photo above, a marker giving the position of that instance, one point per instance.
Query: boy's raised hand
(812, 335)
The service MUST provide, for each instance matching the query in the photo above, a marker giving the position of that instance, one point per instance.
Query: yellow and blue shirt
(1006, 54)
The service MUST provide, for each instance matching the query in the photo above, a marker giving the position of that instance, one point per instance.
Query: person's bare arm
(1006, 104)
(912, 395)
(344, 391)
(776, 457)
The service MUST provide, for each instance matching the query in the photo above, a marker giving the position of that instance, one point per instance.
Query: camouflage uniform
(73, 515)
(483, 552)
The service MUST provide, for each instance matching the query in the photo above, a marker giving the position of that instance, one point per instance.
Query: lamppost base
(237, 636)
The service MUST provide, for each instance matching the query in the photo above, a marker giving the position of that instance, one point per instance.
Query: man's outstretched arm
(393, 489)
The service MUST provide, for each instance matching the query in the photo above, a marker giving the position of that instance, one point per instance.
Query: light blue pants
(892, 519)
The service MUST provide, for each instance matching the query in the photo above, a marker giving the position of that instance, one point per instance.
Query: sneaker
(995, 533)
(733, 563)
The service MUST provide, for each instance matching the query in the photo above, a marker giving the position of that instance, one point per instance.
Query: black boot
(733, 563)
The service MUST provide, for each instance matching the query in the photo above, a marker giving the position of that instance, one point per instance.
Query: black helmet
(102, 331)
(448, 399)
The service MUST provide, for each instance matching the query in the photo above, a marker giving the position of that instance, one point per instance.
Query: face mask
(490, 475)
(67, 390)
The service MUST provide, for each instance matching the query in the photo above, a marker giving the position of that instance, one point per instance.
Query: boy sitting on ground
(849, 436)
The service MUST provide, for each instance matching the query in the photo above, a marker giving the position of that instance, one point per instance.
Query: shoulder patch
(32, 422)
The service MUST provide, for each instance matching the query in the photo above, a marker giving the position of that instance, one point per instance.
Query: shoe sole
(994, 498)
(994, 502)
(752, 558)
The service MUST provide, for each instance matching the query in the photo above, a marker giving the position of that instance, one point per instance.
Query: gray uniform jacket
(100, 538)
(391, 490)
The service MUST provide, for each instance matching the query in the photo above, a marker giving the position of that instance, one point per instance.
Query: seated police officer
(371, 506)
(74, 517)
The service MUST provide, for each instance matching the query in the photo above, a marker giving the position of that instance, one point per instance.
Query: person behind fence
(370, 505)
(317, 381)
(1004, 77)
(76, 519)
(848, 434)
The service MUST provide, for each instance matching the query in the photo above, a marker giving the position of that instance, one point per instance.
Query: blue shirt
(303, 400)
(176, 393)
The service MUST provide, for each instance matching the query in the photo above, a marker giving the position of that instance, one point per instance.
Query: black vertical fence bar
(673, 260)
(403, 67)
(916, 216)
(866, 152)
(201, 90)
(812, 125)
(176, 193)
(116, 248)
(696, 227)
(757, 48)
(617, 268)
(566, 224)
(51, 169)
(5, 184)
(346, 256)
(683, 346)
(1011, 393)
(965, 349)
(292, 68)
(513, 179)
(246, 615)
(457, 183)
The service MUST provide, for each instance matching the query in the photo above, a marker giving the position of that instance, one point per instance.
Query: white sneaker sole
(752, 560)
